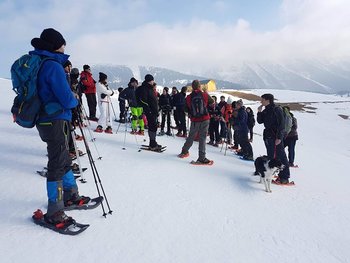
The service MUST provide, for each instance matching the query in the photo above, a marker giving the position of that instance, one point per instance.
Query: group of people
(205, 113)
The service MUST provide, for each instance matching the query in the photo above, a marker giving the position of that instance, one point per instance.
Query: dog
(267, 169)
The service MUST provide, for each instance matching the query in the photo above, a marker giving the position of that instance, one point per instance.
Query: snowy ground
(168, 211)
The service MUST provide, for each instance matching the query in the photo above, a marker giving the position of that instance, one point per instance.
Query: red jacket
(206, 103)
(88, 81)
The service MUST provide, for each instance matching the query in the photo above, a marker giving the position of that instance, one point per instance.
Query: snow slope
(168, 211)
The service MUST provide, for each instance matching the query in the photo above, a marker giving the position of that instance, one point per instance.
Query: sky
(188, 36)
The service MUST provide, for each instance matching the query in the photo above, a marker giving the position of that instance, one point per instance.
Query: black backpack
(198, 107)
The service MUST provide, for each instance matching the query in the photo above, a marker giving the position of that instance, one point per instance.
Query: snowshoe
(183, 155)
(83, 203)
(202, 162)
(68, 226)
(278, 181)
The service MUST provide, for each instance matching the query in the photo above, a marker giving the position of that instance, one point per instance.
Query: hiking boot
(215, 145)
(168, 133)
(141, 132)
(210, 142)
(183, 154)
(109, 130)
(162, 132)
(219, 142)
(156, 148)
(234, 147)
(179, 134)
(99, 129)
(133, 132)
(59, 219)
(204, 161)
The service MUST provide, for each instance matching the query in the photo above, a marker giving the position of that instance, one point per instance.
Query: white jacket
(103, 89)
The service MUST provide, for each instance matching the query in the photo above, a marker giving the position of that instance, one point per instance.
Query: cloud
(123, 33)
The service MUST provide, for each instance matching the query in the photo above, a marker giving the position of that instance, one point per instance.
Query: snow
(165, 210)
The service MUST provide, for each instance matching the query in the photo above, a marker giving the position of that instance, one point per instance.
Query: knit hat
(149, 78)
(49, 40)
(239, 102)
(67, 63)
(74, 71)
(133, 80)
(85, 67)
(102, 76)
(229, 100)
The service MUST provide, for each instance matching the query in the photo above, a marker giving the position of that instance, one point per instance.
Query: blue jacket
(53, 88)
(241, 123)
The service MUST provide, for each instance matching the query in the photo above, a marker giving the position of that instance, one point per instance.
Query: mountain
(328, 77)
(119, 76)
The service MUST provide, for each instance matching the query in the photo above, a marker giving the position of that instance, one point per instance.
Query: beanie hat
(49, 40)
(239, 102)
(74, 71)
(67, 63)
(102, 76)
(133, 80)
(85, 67)
(149, 78)
(229, 100)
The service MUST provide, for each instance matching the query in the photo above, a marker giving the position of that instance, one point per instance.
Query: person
(174, 91)
(215, 117)
(251, 123)
(90, 91)
(223, 127)
(165, 107)
(226, 111)
(136, 109)
(146, 97)
(67, 66)
(291, 139)
(199, 124)
(241, 128)
(104, 93)
(273, 120)
(122, 112)
(180, 104)
(55, 93)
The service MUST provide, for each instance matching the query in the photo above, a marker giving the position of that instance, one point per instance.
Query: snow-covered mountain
(120, 75)
(329, 77)
(313, 76)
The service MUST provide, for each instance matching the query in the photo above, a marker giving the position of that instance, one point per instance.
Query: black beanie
(49, 40)
(67, 63)
(102, 76)
(133, 80)
(149, 78)
(85, 67)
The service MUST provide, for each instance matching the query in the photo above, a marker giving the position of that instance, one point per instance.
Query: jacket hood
(60, 57)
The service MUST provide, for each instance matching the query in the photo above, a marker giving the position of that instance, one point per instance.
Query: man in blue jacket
(53, 125)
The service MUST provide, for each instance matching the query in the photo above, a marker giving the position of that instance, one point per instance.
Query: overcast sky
(188, 36)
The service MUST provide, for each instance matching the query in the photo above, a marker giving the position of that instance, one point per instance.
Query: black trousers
(242, 139)
(182, 121)
(55, 134)
(214, 131)
(92, 103)
(165, 117)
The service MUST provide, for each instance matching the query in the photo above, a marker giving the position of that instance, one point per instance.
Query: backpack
(198, 108)
(27, 104)
(288, 120)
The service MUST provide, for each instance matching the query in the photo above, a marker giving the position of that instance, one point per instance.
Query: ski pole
(82, 179)
(115, 116)
(96, 176)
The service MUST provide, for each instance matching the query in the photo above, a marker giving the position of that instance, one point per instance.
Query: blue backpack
(26, 105)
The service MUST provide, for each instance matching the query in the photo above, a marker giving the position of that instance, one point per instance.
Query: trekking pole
(96, 177)
(83, 111)
(115, 116)
(82, 179)
(126, 128)
(227, 134)
(92, 138)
